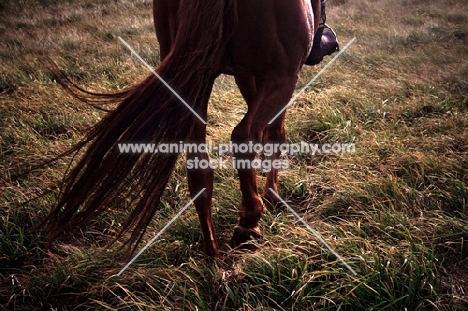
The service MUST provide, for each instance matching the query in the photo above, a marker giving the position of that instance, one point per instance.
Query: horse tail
(148, 112)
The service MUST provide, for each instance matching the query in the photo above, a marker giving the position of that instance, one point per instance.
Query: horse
(262, 43)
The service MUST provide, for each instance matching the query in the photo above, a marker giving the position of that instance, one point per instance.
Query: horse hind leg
(273, 137)
(199, 178)
(264, 99)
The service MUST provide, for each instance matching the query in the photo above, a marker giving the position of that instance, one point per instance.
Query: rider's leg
(325, 40)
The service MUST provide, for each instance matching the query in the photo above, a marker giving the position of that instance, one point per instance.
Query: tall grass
(395, 209)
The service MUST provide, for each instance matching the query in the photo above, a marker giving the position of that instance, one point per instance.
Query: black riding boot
(325, 40)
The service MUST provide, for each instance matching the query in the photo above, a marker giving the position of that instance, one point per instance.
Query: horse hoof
(242, 237)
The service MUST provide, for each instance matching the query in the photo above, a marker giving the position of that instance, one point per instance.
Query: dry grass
(396, 209)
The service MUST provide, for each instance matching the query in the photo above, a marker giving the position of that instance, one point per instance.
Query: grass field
(395, 209)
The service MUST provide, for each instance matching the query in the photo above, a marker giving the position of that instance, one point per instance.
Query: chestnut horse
(262, 43)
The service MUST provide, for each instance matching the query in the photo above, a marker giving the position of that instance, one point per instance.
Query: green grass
(395, 209)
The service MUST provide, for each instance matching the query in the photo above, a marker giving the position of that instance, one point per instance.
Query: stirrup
(325, 43)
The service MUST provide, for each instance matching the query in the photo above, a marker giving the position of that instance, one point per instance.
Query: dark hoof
(242, 237)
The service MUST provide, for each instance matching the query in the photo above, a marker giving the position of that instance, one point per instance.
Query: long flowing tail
(150, 113)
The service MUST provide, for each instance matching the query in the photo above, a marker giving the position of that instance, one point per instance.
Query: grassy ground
(396, 209)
